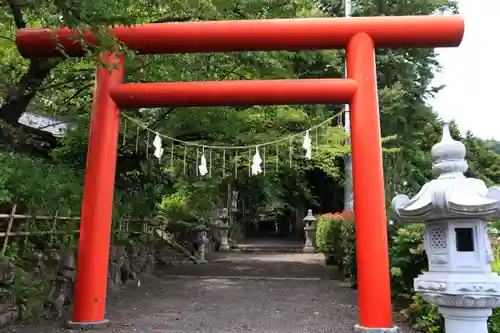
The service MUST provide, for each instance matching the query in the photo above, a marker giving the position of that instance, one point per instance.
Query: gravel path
(264, 293)
(259, 265)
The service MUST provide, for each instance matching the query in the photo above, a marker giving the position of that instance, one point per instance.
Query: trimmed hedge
(336, 239)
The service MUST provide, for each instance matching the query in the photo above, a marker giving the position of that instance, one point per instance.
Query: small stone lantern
(224, 231)
(201, 242)
(455, 210)
(310, 231)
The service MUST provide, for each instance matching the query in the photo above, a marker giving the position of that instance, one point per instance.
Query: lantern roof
(310, 217)
(451, 194)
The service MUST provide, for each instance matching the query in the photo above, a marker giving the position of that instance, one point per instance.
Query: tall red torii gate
(360, 36)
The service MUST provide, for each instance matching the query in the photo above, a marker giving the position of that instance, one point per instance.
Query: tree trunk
(18, 98)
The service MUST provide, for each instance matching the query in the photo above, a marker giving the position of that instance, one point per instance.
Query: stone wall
(42, 284)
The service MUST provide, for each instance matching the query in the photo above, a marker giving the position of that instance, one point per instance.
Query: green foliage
(29, 296)
(494, 321)
(328, 231)
(349, 265)
(143, 186)
(426, 317)
(407, 259)
(38, 186)
(495, 266)
(336, 238)
(484, 161)
(175, 205)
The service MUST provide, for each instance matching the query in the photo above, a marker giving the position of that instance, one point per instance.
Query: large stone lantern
(455, 210)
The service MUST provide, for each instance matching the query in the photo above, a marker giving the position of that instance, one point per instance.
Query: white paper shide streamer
(256, 163)
(307, 145)
(202, 168)
(157, 144)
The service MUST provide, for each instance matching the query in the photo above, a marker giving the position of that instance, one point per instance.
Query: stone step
(171, 257)
(269, 248)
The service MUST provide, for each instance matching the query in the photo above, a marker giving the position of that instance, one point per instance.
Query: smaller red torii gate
(360, 36)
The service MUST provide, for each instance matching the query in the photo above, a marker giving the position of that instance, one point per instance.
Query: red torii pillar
(359, 35)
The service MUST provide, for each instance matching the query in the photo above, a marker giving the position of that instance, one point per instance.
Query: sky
(471, 72)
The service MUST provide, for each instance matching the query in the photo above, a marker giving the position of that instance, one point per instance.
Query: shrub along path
(235, 292)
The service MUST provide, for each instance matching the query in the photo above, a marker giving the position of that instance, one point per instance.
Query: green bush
(328, 238)
(407, 260)
(38, 186)
(425, 317)
(336, 239)
(348, 238)
(494, 321)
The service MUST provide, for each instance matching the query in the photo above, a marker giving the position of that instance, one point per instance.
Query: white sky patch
(471, 72)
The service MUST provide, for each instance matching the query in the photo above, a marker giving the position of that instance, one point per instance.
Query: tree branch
(17, 99)
(16, 8)
(177, 19)
(7, 38)
(61, 83)
(78, 92)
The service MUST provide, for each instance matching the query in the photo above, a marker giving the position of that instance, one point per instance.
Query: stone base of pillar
(95, 325)
(225, 248)
(201, 261)
(309, 249)
(362, 329)
(465, 319)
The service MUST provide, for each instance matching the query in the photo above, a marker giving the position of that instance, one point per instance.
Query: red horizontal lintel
(234, 93)
(256, 35)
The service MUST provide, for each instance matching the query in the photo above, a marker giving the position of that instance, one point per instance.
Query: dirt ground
(236, 292)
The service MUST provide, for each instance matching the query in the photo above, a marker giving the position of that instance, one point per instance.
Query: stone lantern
(310, 231)
(201, 241)
(224, 231)
(455, 210)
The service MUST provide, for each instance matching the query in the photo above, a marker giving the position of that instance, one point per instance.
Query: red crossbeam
(222, 93)
(257, 35)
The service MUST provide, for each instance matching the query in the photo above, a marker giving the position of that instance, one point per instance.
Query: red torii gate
(360, 36)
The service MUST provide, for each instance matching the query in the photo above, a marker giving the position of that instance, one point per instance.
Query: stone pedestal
(459, 320)
(224, 244)
(224, 231)
(310, 233)
(98, 325)
(310, 245)
(362, 329)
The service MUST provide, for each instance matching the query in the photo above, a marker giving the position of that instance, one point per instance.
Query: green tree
(64, 90)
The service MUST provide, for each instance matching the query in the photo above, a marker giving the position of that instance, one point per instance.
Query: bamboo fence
(12, 217)
(122, 227)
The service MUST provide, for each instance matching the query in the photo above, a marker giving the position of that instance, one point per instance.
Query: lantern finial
(448, 155)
